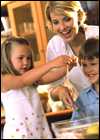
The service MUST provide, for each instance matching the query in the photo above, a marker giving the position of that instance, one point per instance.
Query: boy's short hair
(90, 49)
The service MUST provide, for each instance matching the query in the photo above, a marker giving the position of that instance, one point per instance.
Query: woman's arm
(57, 74)
(53, 75)
(56, 47)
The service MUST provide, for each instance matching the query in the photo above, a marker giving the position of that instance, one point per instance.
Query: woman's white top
(56, 47)
(24, 115)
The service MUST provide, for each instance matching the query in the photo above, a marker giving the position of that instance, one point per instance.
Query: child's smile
(91, 69)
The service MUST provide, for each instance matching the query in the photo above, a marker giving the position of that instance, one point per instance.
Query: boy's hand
(62, 93)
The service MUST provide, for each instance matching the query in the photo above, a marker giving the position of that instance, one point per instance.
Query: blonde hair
(65, 8)
(6, 65)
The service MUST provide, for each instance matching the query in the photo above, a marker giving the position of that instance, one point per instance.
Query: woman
(66, 19)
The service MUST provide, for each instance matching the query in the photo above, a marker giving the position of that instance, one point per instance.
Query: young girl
(88, 100)
(24, 115)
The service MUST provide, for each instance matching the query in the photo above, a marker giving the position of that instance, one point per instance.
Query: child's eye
(84, 65)
(93, 64)
(65, 18)
(29, 58)
(20, 58)
(55, 22)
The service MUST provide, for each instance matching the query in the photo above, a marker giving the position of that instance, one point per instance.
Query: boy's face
(91, 69)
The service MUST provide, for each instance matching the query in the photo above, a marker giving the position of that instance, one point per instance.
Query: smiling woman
(64, 16)
(67, 20)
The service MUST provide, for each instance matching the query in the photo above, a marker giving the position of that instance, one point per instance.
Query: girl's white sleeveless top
(24, 115)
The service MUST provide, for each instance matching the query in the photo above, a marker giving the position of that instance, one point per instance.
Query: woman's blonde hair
(6, 65)
(65, 8)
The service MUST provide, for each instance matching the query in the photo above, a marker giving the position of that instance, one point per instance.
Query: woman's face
(91, 69)
(66, 26)
(21, 58)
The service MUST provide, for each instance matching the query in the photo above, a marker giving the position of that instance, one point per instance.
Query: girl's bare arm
(31, 76)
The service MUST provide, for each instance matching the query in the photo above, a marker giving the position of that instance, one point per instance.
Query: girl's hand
(64, 60)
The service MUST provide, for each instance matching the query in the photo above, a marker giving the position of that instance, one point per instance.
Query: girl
(23, 111)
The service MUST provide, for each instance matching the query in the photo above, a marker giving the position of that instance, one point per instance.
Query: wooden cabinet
(27, 20)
